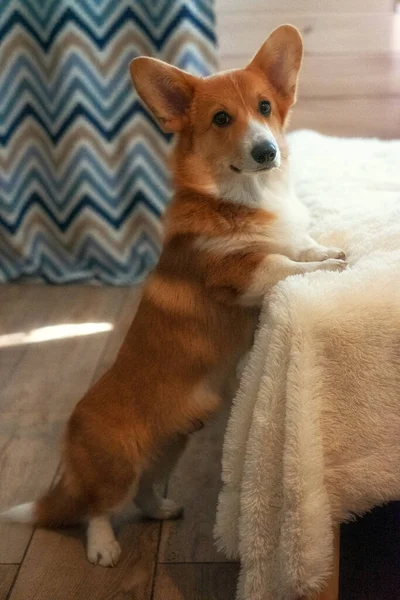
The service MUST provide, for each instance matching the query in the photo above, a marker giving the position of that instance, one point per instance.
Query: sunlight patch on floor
(53, 332)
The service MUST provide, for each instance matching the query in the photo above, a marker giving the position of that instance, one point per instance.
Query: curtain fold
(83, 175)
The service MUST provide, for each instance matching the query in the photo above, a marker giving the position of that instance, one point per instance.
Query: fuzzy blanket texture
(314, 433)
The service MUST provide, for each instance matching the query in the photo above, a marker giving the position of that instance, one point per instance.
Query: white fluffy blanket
(314, 433)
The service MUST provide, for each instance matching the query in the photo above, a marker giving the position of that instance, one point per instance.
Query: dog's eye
(265, 108)
(221, 118)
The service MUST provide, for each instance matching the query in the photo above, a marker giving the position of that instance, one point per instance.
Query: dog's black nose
(264, 152)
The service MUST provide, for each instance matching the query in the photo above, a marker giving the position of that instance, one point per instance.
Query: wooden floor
(41, 382)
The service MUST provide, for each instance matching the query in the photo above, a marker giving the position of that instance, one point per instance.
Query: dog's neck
(264, 190)
(270, 190)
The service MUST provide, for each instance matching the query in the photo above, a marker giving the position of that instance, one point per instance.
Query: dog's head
(229, 124)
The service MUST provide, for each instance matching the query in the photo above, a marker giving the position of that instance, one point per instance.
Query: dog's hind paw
(105, 554)
(165, 509)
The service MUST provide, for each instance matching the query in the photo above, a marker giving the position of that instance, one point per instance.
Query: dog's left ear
(279, 58)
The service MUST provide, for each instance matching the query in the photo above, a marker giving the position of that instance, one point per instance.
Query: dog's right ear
(166, 90)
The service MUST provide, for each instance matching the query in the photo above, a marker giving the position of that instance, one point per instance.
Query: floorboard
(196, 582)
(7, 576)
(42, 383)
(56, 567)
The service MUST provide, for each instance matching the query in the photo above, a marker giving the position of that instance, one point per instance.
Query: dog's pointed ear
(166, 90)
(279, 58)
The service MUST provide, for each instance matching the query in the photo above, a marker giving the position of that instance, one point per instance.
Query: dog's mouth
(260, 170)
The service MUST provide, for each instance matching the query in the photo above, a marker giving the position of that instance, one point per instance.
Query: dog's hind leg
(109, 496)
(102, 546)
(147, 498)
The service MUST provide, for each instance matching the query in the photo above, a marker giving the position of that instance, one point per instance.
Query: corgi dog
(234, 228)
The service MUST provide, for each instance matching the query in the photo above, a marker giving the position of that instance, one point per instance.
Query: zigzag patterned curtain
(83, 177)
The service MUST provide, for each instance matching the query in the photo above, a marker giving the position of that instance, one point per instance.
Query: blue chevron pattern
(83, 177)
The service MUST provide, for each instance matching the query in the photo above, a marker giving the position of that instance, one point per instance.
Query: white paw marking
(333, 264)
(102, 547)
(103, 552)
(166, 509)
(336, 253)
(319, 254)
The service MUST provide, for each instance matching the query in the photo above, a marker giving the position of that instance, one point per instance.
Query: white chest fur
(274, 193)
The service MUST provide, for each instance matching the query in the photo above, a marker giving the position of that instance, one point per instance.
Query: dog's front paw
(320, 253)
(332, 264)
(336, 253)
